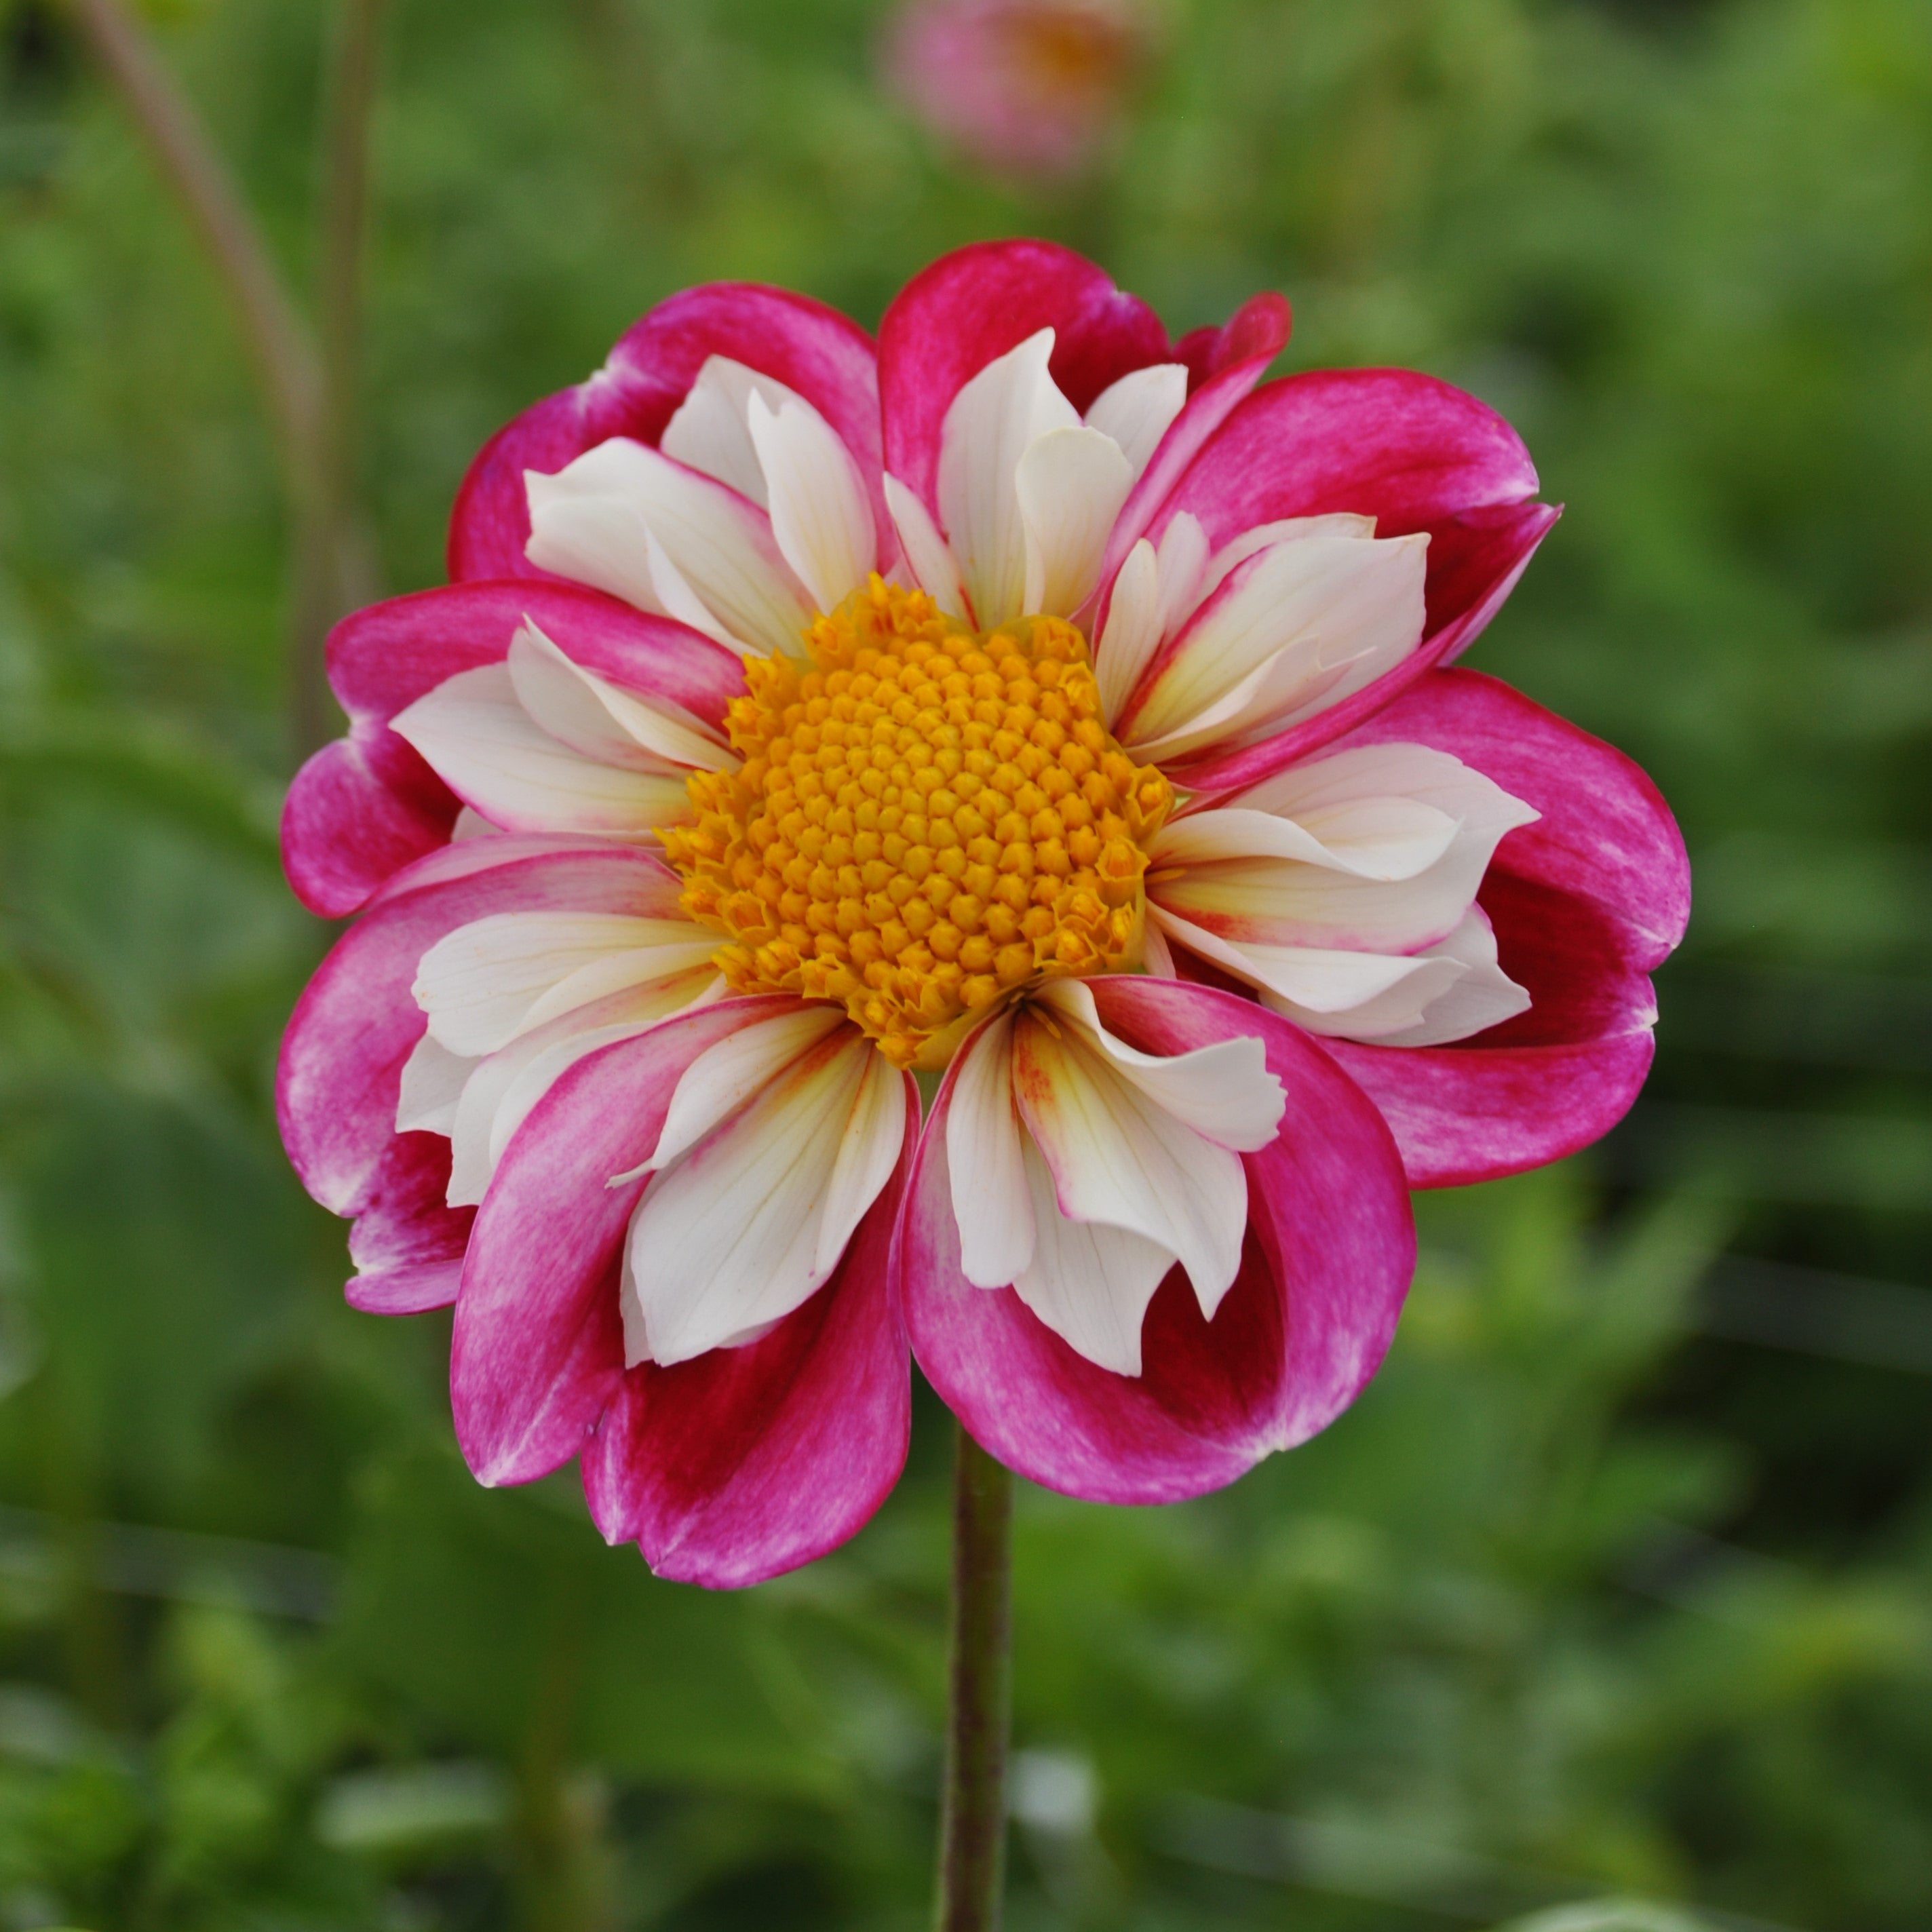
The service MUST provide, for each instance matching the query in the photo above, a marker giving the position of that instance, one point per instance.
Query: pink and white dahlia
(1026, 704)
(1022, 88)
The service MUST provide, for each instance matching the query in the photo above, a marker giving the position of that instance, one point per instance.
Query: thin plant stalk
(972, 1829)
(333, 570)
(287, 367)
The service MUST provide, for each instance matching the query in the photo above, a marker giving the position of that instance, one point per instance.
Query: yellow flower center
(927, 819)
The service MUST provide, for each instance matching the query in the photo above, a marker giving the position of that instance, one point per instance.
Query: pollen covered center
(926, 819)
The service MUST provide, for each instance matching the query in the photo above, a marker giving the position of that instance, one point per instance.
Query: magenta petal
(953, 318)
(1330, 1251)
(365, 806)
(747, 1462)
(808, 347)
(538, 1347)
(340, 1071)
(1585, 903)
(407, 1244)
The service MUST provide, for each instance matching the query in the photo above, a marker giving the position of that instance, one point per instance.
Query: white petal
(1119, 1157)
(723, 1078)
(482, 743)
(820, 515)
(870, 1149)
(1139, 409)
(590, 522)
(990, 1200)
(1265, 536)
(1485, 996)
(1223, 1091)
(675, 597)
(488, 981)
(603, 720)
(1326, 989)
(433, 1079)
(710, 433)
(926, 554)
(505, 1086)
(992, 422)
(1071, 483)
(1382, 838)
(1301, 609)
(731, 1237)
(1183, 565)
(1090, 1283)
(1132, 631)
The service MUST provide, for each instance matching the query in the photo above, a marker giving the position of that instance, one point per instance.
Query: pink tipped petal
(1585, 903)
(364, 807)
(1326, 1262)
(750, 1461)
(407, 1245)
(1605, 833)
(809, 348)
(955, 317)
(340, 1071)
(539, 1349)
(1474, 564)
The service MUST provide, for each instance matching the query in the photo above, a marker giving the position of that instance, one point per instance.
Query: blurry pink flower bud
(1027, 88)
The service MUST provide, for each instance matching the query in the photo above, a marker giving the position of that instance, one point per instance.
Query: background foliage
(1617, 1584)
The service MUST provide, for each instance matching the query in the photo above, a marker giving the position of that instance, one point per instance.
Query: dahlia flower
(1029, 706)
(1023, 87)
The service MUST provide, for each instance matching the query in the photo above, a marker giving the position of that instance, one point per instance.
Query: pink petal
(1585, 903)
(362, 807)
(809, 347)
(539, 1349)
(953, 318)
(340, 1071)
(1329, 1253)
(407, 1245)
(750, 1461)
(1474, 561)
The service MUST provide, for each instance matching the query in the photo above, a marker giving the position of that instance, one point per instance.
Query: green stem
(972, 1832)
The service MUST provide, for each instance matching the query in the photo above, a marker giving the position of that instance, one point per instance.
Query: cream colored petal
(588, 522)
(488, 981)
(1223, 1091)
(432, 1080)
(1323, 793)
(732, 1236)
(868, 1150)
(1381, 839)
(1356, 995)
(1071, 483)
(602, 720)
(710, 432)
(820, 515)
(1132, 631)
(1484, 997)
(1139, 409)
(724, 1077)
(991, 1203)
(482, 743)
(1183, 558)
(927, 556)
(505, 1086)
(1118, 1156)
(1090, 1283)
(992, 422)
(1265, 536)
(1303, 608)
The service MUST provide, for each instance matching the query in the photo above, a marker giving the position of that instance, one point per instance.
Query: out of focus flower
(1024, 88)
(1030, 701)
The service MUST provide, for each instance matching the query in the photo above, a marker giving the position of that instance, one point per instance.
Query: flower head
(1024, 88)
(1029, 702)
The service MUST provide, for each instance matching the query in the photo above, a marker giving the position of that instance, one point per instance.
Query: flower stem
(973, 1830)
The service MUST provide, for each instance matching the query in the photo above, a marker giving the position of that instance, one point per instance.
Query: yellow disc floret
(927, 819)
